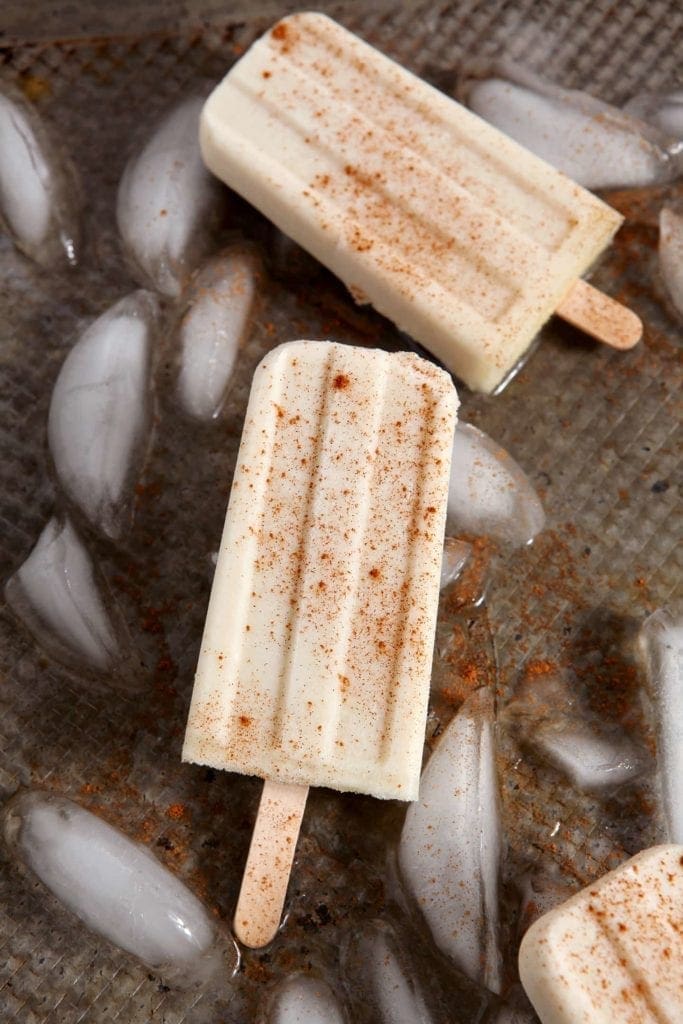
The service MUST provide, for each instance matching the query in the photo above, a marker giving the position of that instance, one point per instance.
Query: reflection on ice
(661, 641)
(213, 329)
(101, 408)
(117, 888)
(596, 144)
(61, 602)
(450, 846)
(488, 493)
(37, 200)
(165, 201)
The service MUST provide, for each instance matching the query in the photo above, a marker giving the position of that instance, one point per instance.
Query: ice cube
(549, 715)
(304, 1000)
(541, 890)
(488, 493)
(661, 642)
(117, 888)
(590, 759)
(38, 190)
(597, 145)
(100, 411)
(212, 330)
(450, 845)
(376, 969)
(662, 109)
(671, 255)
(62, 601)
(456, 555)
(167, 201)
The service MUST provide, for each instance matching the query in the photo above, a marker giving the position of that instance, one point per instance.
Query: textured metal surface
(596, 431)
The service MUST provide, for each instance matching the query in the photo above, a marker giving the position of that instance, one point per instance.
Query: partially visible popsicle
(316, 657)
(612, 954)
(462, 237)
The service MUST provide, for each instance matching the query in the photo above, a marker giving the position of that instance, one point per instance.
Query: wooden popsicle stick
(269, 863)
(600, 316)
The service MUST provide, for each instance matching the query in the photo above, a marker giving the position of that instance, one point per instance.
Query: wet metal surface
(595, 430)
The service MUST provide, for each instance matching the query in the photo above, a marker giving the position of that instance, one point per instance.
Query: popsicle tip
(601, 316)
(255, 933)
(632, 329)
(269, 862)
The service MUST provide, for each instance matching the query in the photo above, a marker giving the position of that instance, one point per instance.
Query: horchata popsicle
(462, 237)
(316, 657)
(612, 954)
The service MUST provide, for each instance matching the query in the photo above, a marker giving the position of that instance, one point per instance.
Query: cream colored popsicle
(316, 657)
(462, 237)
(612, 954)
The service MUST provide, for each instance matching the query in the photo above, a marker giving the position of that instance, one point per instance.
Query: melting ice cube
(548, 714)
(661, 641)
(375, 968)
(590, 759)
(304, 1000)
(59, 598)
(37, 187)
(101, 408)
(540, 891)
(117, 888)
(488, 492)
(449, 850)
(671, 255)
(166, 200)
(213, 329)
(456, 555)
(597, 145)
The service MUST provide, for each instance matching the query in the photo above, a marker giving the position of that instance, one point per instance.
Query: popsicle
(316, 657)
(612, 954)
(462, 237)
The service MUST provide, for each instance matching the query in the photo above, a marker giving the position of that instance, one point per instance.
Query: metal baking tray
(594, 429)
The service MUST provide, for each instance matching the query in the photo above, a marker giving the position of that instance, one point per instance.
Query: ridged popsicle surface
(316, 656)
(462, 237)
(612, 953)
